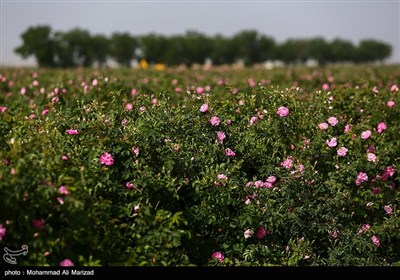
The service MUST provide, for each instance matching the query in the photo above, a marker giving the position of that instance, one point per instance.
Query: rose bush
(237, 175)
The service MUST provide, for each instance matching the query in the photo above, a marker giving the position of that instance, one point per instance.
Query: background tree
(341, 51)
(63, 56)
(101, 50)
(245, 44)
(221, 50)
(175, 50)
(267, 47)
(123, 47)
(38, 41)
(319, 50)
(287, 51)
(154, 47)
(197, 47)
(372, 51)
(74, 48)
(78, 48)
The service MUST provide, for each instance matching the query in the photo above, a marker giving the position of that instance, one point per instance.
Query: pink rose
(218, 255)
(214, 121)
(204, 108)
(342, 151)
(66, 262)
(375, 240)
(333, 121)
(366, 134)
(282, 111)
(106, 159)
(261, 232)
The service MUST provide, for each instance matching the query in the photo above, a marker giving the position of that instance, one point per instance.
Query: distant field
(220, 167)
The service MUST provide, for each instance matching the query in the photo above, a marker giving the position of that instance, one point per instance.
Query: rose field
(193, 167)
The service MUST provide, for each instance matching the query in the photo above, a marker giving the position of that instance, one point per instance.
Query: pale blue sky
(351, 20)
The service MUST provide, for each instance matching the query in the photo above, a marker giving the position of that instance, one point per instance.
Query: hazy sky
(351, 20)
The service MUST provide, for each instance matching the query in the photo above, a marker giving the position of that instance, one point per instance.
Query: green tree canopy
(154, 46)
(372, 51)
(197, 47)
(319, 50)
(245, 44)
(100, 46)
(341, 50)
(123, 47)
(78, 47)
(221, 50)
(74, 48)
(38, 41)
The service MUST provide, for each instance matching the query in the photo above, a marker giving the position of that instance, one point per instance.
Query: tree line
(77, 47)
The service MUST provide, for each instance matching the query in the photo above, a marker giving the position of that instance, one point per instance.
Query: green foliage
(79, 48)
(123, 48)
(37, 41)
(172, 197)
